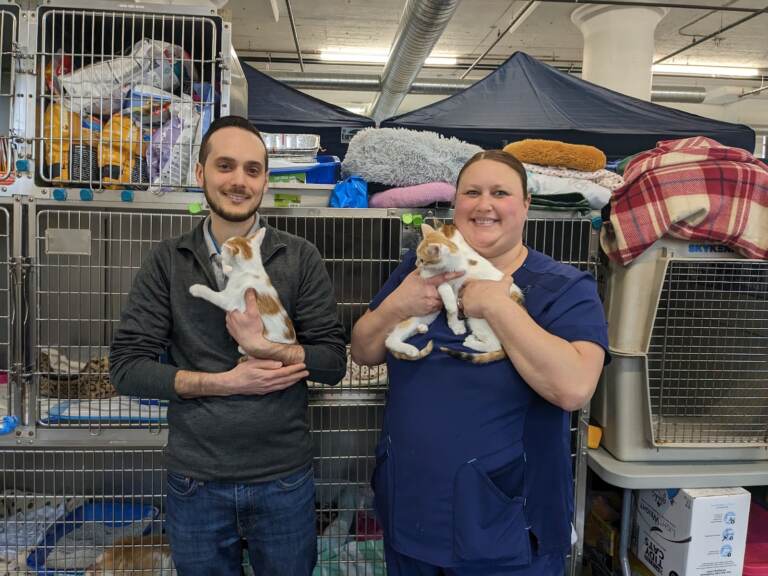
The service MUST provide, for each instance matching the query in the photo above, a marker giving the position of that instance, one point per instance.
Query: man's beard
(225, 214)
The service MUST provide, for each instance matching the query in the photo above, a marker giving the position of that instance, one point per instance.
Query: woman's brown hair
(498, 156)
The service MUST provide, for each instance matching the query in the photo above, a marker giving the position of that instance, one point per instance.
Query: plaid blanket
(695, 189)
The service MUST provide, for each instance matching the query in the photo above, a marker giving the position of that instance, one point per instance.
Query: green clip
(407, 218)
(418, 219)
(194, 208)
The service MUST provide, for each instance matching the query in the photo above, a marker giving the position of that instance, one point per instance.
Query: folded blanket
(556, 153)
(695, 189)
(413, 196)
(400, 157)
(543, 185)
(573, 202)
(604, 178)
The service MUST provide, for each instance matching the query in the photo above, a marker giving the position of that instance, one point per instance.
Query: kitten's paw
(458, 327)
(197, 290)
(408, 352)
(516, 294)
(421, 329)
(411, 351)
(474, 343)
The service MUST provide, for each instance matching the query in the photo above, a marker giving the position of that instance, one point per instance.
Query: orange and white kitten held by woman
(241, 263)
(440, 251)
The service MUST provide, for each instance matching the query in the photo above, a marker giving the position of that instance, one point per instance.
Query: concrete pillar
(618, 46)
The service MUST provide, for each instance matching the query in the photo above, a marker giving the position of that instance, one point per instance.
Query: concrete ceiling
(547, 34)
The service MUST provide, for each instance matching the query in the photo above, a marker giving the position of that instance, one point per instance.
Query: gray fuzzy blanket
(401, 157)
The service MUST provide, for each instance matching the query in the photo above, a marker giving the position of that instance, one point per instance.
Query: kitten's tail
(475, 358)
(422, 353)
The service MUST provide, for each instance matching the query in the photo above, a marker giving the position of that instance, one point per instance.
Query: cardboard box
(692, 532)
(637, 568)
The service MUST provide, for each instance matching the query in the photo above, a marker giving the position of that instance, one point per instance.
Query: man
(239, 451)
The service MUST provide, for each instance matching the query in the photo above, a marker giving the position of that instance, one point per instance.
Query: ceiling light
(356, 109)
(441, 61)
(705, 70)
(379, 58)
(369, 58)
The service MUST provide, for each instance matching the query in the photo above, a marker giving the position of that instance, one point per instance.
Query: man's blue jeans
(206, 522)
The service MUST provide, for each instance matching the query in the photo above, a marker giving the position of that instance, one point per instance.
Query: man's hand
(260, 377)
(247, 328)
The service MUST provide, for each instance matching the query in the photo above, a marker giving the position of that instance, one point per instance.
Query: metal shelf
(704, 474)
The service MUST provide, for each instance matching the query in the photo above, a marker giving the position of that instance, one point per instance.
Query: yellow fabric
(556, 153)
(121, 145)
(61, 129)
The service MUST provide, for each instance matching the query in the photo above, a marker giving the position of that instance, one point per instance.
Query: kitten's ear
(258, 237)
(426, 229)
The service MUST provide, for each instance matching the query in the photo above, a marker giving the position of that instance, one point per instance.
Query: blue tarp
(525, 98)
(276, 107)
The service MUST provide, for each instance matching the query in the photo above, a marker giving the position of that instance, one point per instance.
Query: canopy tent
(525, 98)
(276, 107)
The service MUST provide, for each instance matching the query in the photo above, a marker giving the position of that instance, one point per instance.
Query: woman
(473, 471)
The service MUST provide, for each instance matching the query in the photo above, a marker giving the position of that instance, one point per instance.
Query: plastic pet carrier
(688, 330)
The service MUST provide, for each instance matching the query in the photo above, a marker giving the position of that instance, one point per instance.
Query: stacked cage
(688, 329)
(83, 259)
(125, 97)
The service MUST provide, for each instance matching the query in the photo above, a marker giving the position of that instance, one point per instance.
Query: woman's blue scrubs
(473, 467)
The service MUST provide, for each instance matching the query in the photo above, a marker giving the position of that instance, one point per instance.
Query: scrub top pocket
(489, 509)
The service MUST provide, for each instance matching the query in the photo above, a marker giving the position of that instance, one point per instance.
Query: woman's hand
(477, 298)
(417, 296)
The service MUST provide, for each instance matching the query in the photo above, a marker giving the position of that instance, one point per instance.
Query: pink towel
(413, 196)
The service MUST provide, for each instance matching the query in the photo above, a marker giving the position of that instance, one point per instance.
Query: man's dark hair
(230, 122)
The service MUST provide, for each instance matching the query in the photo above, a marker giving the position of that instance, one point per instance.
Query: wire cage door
(708, 355)
(126, 96)
(8, 36)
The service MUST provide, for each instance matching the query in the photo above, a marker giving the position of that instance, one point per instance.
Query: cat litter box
(72, 544)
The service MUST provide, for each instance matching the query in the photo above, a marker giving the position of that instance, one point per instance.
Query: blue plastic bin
(326, 171)
(108, 512)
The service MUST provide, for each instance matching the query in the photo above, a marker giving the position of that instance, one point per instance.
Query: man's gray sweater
(234, 438)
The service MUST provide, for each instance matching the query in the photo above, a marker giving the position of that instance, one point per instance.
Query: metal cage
(8, 36)
(82, 261)
(62, 509)
(125, 97)
(83, 265)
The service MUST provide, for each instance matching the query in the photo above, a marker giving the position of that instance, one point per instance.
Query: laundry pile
(409, 168)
